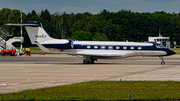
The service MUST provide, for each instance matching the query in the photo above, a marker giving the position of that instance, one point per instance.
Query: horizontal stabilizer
(30, 23)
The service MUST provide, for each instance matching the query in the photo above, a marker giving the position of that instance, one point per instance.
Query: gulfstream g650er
(92, 50)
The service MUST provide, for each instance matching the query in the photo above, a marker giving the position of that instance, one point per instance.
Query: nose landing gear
(162, 63)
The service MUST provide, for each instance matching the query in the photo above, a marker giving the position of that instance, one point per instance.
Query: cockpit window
(160, 46)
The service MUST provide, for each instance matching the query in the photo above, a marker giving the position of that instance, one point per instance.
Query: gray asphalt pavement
(20, 72)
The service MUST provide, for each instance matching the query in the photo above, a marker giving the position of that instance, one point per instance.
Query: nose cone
(170, 52)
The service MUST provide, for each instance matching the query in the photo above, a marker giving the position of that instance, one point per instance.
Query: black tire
(162, 63)
(84, 61)
(3, 54)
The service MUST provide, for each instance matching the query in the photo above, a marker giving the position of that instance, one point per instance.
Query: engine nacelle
(71, 44)
(60, 44)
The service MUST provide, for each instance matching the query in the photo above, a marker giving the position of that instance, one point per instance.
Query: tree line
(103, 26)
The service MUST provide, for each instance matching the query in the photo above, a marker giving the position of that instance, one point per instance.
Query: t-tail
(35, 31)
(40, 37)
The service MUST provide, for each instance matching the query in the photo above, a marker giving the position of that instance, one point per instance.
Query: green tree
(82, 35)
(100, 37)
(30, 15)
(46, 25)
(46, 15)
(113, 26)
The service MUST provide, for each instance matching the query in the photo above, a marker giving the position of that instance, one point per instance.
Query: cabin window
(139, 48)
(154, 39)
(95, 47)
(103, 47)
(110, 47)
(117, 47)
(88, 47)
(132, 48)
(160, 46)
(124, 47)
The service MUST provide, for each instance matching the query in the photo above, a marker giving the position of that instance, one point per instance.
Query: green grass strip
(177, 50)
(103, 90)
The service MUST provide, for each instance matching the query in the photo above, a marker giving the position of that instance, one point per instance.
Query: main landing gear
(162, 63)
(89, 60)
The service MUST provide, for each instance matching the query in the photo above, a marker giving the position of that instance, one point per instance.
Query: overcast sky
(92, 6)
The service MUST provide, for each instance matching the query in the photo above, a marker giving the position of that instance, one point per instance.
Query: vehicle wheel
(11, 54)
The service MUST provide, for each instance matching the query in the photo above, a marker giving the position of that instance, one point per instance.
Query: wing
(95, 54)
(102, 54)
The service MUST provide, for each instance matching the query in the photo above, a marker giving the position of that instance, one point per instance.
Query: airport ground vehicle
(10, 52)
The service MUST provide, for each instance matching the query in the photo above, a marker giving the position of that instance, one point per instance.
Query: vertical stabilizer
(37, 34)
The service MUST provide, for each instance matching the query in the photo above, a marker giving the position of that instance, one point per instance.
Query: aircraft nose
(170, 52)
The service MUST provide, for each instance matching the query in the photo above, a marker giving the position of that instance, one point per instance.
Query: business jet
(90, 51)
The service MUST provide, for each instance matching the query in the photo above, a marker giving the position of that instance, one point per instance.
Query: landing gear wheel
(88, 62)
(91, 61)
(162, 63)
(85, 62)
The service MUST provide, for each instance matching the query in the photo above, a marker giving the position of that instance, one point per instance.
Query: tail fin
(35, 31)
